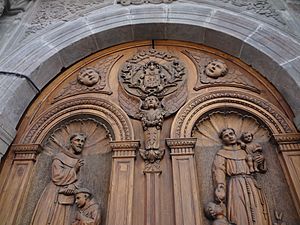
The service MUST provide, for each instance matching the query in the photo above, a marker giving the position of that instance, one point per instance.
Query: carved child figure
(255, 158)
(88, 210)
(216, 212)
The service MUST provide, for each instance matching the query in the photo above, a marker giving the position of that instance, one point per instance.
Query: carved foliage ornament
(153, 86)
(215, 72)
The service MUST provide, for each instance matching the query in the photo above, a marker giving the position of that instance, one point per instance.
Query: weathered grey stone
(16, 94)
(149, 31)
(47, 70)
(184, 32)
(229, 22)
(268, 40)
(114, 36)
(222, 41)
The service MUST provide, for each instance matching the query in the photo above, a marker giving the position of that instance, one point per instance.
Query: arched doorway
(151, 113)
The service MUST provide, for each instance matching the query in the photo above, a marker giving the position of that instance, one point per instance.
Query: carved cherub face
(77, 142)
(81, 199)
(228, 136)
(216, 68)
(247, 137)
(151, 102)
(88, 77)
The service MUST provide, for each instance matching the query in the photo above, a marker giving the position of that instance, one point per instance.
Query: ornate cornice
(232, 97)
(288, 142)
(63, 108)
(25, 152)
(124, 149)
(181, 146)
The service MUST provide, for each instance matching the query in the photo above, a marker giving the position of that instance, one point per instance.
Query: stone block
(232, 24)
(222, 41)
(259, 60)
(183, 32)
(149, 31)
(274, 43)
(114, 36)
(149, 13)
(46, 70)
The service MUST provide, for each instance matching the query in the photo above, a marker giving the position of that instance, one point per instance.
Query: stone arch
(188, 115)
(267, 49)
(114, 116)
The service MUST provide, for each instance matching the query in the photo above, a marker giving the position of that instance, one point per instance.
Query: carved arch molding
(154, 133)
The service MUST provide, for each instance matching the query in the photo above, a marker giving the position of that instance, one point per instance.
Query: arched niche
(199, 124)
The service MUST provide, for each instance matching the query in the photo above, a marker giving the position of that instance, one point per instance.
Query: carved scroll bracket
(24, 152)
(186, 192)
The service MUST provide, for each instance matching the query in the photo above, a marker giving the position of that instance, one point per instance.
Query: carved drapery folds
(153, 86)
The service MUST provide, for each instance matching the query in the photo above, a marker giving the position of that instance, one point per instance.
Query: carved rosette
(153, 86)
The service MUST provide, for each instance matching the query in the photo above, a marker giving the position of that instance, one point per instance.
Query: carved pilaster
(289, 146)
(121, 195)
(186, 193)
(16, 187)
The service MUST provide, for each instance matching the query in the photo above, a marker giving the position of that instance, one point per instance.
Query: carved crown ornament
(215, 72)
(152, 87)
(89, 79)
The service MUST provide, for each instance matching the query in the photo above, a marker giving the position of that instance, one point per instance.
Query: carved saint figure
(88, 210)
(216, 68)
(54, 206)
(246, 203)
(88, 76)
(255, 158)
(216, 213)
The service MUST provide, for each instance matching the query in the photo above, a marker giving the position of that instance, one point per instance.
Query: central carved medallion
(153, 86)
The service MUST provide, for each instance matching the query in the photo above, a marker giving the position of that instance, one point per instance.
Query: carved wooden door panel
(154, 133)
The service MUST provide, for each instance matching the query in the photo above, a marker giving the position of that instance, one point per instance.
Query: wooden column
(186, 192)
(121, 195)
(289, 147)
(16, 186)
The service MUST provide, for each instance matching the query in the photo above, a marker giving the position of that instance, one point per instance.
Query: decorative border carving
(246, 100)
(117, 115)
(26, 151)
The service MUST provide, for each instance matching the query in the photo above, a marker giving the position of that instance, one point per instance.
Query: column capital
(181, 146)
(288, 141)
(25, 152)
(124, 149)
